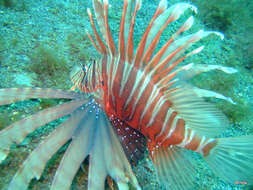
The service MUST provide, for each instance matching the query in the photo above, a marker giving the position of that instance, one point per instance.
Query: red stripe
(153, 130)
(136, 114)
(129, 85)
(165, 133)
(130, 36)
(116, 87)
(177, 135)
(194, 144)
(141, 46)
(122, 32)
(153, 44)
(108, 33)
(100, 42)
(206, 149)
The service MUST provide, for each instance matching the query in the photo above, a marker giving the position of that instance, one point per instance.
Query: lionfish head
(78, 75)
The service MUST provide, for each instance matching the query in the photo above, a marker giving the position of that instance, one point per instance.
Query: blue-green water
(40, 41)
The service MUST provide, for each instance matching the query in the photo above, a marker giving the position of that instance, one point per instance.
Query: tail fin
(232, 159)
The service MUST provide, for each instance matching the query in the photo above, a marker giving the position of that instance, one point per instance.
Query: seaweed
(18, 5)
(51, 69)
(237, 112)
(235, 19)
(78, 45)
(3, 47)
(225, 84)
(8, 3)
(219, 15)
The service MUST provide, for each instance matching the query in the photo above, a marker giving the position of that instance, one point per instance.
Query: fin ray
(10, 95)
(199, 115)
(232, 159)
(16, 132)
(34, 165)
(175, 167)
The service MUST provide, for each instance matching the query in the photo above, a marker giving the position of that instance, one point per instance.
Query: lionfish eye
(79, 74)
(84, 68)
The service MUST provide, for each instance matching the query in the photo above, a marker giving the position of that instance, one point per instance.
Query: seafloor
(40, 41)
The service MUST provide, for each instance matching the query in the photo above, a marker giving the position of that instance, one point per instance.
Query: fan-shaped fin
(101, 12)
(208, 93)
(175, 167)
(171, 57)
(130, 48)
(200, 116)
(94, 136)
(101, 48)
(232, 159)
(34, 165)
(17, 132)
(105, 144)
(127, 22)
(10, 95)
(171, 14)
(190, 70)
(75, 154)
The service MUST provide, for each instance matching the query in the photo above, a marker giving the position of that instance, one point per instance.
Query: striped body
(131, 95)
(137, 87)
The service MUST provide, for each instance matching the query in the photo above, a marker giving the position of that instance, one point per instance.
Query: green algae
(51, 69)
(18, 5)
(8, 3)
(224, 84)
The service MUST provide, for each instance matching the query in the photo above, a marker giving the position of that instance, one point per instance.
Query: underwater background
(40, 41)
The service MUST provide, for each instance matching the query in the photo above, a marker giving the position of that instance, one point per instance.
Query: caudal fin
(232, 159)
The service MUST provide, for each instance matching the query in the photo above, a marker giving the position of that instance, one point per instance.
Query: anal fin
(175, 166)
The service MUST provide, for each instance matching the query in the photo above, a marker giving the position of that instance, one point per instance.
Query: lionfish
(126, 97)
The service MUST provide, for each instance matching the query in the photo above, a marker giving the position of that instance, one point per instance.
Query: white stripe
(191, 137)
(201, 146)
(150, 100)
(115, 67)
(186, 139)
(146, 82)
(109, 64)
(155, 111)
(169, 112)
(173, 127)
(126, 72)
(139, 76)
(100, 69)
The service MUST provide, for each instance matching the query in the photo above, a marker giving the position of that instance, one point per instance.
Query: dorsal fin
(101, 13)
(125, 24)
